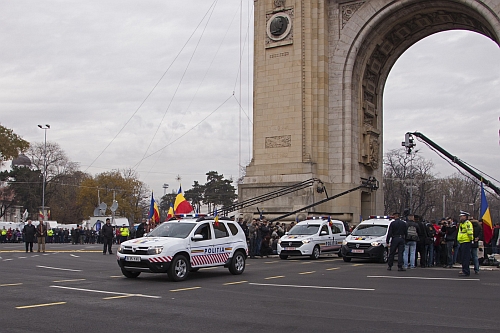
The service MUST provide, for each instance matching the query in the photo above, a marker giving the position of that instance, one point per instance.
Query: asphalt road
(74, 288)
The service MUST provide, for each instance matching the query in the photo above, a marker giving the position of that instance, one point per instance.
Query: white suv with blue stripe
(178, 247)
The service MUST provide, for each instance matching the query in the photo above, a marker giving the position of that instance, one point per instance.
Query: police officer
(107, 236)
(396, 236)
(123, 233)
(465, 237)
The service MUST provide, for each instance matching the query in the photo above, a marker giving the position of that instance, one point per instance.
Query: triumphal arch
(320, 67)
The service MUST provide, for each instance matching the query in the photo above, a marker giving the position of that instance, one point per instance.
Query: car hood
(295, 237)
(152, 241)
(352, 238)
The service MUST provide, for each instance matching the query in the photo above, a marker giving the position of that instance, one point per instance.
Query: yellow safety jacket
(50, 232)
(465, 232)
(4, 232)
(124, 231)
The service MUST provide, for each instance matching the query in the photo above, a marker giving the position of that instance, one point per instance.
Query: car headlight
(155, 250)
(305, 241)
(344, 242)
(120, 249)
(376, 243)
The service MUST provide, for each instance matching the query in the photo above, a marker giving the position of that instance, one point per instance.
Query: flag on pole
(154, 211)
(48, 214)
(330, 223)
(170, 213)
(40, 215)
(486, 217)
(216, 217)
(181, 205)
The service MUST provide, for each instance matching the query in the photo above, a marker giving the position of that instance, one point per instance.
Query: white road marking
(8, 259)
(312, 287)
(21, 257)
(72, 280)
(60, 269)
(105, 292)
(420, 278)
(74, 255)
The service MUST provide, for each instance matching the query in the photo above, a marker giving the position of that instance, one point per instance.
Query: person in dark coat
(395, 240)
(141, 229)
(107, 236)
(29, 232)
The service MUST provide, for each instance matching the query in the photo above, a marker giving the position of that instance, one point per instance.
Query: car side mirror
(197, 237)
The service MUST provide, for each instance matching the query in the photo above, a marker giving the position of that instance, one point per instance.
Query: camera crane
(409, 144)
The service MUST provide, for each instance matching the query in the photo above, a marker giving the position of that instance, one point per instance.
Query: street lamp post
(45, 128)
(165, 186)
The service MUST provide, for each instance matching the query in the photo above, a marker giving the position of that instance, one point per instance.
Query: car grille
(358, 245)
(291, 243)
(138, 251)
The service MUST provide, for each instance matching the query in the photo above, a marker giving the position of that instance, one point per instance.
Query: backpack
(412, 233)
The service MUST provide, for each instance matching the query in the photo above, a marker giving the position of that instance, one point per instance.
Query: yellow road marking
(70, 280)
(358, 264)
(307, 272)
(10, 284)
(274, 277)
(332, 269)
(184, 289)
(121, 296)
(115, 276)
(38, 305)
(237, 282)
(270, 262)
(307, 262)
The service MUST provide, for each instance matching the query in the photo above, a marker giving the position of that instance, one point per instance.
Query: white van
(311, 237)
(368, 240)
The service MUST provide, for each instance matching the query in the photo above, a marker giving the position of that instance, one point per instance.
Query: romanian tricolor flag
(330, 223)
(181, 205)
(170, 213)
(40, 215)
(154, 211)
(486, 217)
(216, 217)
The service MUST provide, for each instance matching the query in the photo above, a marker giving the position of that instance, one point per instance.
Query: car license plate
(132, 258)
(358, 251)
(289, 249)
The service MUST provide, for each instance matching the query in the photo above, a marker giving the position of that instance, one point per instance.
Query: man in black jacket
(29, 232)
(422, 239)
(107, 236)
(396, 238)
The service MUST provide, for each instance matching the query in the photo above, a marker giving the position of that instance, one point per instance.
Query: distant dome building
(21, 161)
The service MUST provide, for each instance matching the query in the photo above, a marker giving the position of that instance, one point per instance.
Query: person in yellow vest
(123, 234)
(50, 235)
(465, 238)
(3, 235)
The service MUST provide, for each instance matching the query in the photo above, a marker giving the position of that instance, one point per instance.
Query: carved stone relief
(279, 141)
(348, 10)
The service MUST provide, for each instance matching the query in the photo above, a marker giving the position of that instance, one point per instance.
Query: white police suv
(367, 240)
(311, 237)
(178, 247)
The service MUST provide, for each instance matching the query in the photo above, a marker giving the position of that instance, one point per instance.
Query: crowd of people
(262, 236)
(444, 243)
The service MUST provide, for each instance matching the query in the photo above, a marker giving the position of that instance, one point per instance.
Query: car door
(325, 238)
(221, 243)
(200, 250)
(338, 235)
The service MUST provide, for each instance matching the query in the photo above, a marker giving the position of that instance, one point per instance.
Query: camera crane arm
(409, 144)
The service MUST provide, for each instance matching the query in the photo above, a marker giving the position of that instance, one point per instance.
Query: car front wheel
(129, 274)
(179, 268)
(385, 256)
(315, 253)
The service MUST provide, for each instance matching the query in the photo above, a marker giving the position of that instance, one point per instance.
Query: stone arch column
(372, 36)
(320, 67)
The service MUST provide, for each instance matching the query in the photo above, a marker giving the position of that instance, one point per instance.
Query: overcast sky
(86, 67)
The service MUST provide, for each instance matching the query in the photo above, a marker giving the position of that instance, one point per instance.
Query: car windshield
(172, 229)
(304, 229)
(370, 230)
